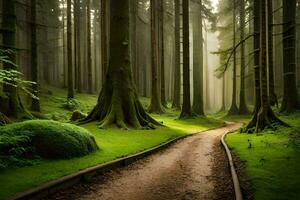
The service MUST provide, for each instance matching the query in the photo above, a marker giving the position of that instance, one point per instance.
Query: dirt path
(192, 169)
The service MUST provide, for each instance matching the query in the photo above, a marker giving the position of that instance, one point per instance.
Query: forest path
(192, 169)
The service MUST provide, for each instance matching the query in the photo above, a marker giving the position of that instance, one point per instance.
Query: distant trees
(70, 51)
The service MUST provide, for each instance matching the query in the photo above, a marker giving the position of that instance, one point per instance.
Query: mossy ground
(272, 161)
(114, 143)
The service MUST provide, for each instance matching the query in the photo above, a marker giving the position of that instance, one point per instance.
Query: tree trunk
(198, 104)
(89, 48)
(223, 108)
(234, 109)
(118, 101)
(291, 100)
(243, 110)
(272, 94)
(155, 106)
(264, 117)
(177, 78)
(104, 32)
(186, 106)
(35, 103)
(69, 51)
(11, 104)
(78, 44)
(163, 78)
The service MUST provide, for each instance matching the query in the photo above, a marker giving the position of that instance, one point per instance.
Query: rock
(77, 115)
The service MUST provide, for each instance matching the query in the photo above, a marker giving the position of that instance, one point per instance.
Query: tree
(35, 103)
(118, 101)
(177, 76)
(242, 110)
(264, 117)
(186, 106)
(272, 94)
(155, 106)
(89, 48)
(162, 74)
(234, 109)
(291, 100)
(10, 102)
(198, 103)
(104, 45)
(69, 51)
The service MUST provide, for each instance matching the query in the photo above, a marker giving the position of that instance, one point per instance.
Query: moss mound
(46, 139)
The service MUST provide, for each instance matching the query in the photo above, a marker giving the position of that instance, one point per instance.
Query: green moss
(46, 139)
(272, 160)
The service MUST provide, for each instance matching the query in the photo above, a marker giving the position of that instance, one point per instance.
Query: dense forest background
(66, 44)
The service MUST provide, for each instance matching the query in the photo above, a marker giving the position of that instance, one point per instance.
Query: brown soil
(192, 169)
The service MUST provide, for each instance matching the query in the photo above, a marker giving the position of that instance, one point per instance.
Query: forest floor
(114, 143)
(270, 160)
(193, 168)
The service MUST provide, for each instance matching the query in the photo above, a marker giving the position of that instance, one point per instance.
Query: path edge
(65, 182)
(235, 179)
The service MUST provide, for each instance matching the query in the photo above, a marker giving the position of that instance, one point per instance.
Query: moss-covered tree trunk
(291, 100)
(198, 103)
(264, 117)
(233, 108)
(10, 103)
(272, 94)
(118, 101)
(243, 110)
(177, 76)
(35, 103)
(186, 106)
(155, 106)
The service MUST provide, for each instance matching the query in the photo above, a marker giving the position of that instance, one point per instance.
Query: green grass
(272, 160)
(114, 143)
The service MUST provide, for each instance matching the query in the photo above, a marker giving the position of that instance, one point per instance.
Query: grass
(272, 161)
(114, 143)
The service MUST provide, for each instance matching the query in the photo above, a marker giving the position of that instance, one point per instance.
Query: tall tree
(291, 100)
(265, 117)
(272, 94)
(177, 71)
(198, 103)
(89, 48)
(10, 102)
(35, 103)
(104, 39)
(162, 51)
(118, 101)
(155, 106)
(242, 110)
(234, 109)
(186, 106)
(69, 51)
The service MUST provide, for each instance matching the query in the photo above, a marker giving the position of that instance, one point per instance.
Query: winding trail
(192, 169)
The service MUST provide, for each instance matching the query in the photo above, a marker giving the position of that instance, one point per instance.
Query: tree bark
(177, 78)
(77, 41)
(69, 51)
(186, 106)
(264, 116)
(234, 109)
(291, 100)
(198, 103)
(35, 103)
(243, 110)
(89, 49)
(11, 104)
(155, 106)
(162, 74)
(104, 38)
(118, 101)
